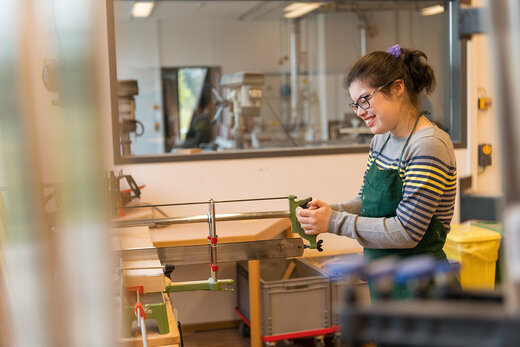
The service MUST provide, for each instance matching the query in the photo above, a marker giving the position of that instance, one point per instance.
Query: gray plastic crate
(338, 285)
(300, 303)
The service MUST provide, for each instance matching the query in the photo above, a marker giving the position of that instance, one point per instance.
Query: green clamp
(297, 228)
(220, 285)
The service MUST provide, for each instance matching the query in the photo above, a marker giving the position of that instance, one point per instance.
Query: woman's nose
(360, 112)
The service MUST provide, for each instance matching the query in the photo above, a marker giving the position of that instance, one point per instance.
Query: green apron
(381, 195)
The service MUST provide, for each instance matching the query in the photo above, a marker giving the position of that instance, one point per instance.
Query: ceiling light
(430, 11)
(299, 9)
(142, 9)
(294, 6)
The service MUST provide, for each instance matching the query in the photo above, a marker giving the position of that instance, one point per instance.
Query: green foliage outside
(190, 84)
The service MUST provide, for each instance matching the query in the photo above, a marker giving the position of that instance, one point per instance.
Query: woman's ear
(398, 87)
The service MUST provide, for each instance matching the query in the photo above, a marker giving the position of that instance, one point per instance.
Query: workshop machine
(242, 97)
(128, 124)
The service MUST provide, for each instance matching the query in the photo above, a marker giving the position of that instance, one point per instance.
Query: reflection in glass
(182, 54)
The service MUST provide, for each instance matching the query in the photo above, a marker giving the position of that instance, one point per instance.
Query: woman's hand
(315, 219)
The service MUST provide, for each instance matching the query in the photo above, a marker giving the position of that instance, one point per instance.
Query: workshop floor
(231, 338)
(215, 338)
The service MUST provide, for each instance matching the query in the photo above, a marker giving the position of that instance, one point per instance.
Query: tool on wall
(118, 197)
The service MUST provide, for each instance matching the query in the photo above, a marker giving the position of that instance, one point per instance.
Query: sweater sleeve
(427, 175)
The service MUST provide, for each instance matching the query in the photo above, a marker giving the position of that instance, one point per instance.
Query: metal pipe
(138, 311)
(295, 62)
(200, 219)
(212, 240)
(143, 332)
(363, 35)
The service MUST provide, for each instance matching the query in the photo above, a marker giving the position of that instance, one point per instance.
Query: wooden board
(155, 339)
(229, 231)
(152, 280)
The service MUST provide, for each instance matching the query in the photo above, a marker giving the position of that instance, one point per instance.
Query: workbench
(242, 231)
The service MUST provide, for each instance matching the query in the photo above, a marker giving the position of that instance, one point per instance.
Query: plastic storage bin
(477, 251)
(338, 284)
(300, 303)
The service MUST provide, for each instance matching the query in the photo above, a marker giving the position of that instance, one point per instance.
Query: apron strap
(408, 140)
(382, 147)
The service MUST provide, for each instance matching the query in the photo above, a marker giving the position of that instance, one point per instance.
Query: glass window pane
(191, 82)
(278, 82)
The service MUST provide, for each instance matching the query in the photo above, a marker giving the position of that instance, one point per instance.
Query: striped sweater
(429, 174)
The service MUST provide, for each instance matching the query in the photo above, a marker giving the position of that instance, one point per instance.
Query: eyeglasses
(363, 101)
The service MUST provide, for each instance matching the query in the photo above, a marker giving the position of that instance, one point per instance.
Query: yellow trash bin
(476, 249)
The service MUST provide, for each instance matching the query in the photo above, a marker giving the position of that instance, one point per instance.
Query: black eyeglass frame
(354, 105)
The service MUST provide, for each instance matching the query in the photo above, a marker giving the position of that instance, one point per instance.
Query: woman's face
(383, 113)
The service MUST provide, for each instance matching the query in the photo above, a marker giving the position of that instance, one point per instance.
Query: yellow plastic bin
(477, 251)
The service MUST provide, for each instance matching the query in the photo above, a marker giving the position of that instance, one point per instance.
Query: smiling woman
(406, 202)
(302, 103)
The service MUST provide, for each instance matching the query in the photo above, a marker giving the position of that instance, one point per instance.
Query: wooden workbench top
(229, 231)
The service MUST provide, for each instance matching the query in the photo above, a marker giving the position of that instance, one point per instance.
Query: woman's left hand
(315, 219)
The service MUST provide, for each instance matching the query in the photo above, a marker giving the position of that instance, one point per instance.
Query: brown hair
(379, 68)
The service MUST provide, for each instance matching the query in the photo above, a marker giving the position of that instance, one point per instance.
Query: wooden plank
(228, 231)
(289, 271)
(254, 303)
(154, 338)
(152, 280)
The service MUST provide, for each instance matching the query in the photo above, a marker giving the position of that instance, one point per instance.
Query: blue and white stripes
(429, 189)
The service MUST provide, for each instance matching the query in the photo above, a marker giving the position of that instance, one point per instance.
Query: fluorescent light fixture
(299, 9)
(294, 6)
(142, 9)
(430, 11)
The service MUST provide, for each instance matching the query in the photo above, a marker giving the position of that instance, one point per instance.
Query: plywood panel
(152, 280)
(229, 231)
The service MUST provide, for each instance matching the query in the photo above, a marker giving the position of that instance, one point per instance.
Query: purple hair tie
(395, 51)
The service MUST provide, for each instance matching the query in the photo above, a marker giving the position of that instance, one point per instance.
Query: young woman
(405, 205)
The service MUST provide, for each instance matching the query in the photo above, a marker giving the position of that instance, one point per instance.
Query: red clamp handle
(213, 240)
(139, 306)
(133, 289)
(213, 267)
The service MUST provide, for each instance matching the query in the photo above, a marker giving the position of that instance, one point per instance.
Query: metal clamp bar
(205, 202)
(213, 240)
(200, 219)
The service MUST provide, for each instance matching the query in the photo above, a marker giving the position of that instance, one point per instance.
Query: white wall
(483, 122)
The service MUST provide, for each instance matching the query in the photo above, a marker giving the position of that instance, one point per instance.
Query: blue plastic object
(447, 267)
(349, 266)
(415, 267)
(382, 267)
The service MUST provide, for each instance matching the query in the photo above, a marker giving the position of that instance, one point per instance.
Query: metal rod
(205, 202)
(143, 332)
(140, 268)
(212, 240)
(138, 311)
(200, 219)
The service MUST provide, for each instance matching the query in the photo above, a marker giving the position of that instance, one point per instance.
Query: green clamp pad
(220, 285)
(297, 228)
